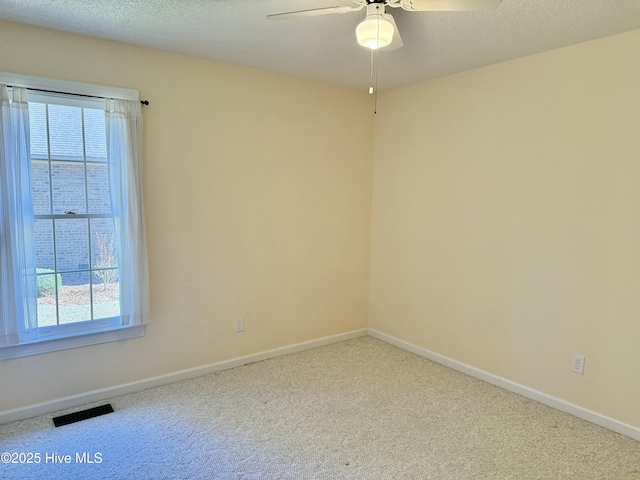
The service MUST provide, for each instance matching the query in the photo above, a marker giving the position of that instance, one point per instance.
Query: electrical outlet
(577, 364)
(239, 324)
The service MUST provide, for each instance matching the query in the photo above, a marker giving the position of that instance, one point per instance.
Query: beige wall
(506, 221)
(257, 191)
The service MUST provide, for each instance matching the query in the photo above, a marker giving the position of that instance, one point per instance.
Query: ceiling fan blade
(449, 5)
(396, 41)
(313, 12)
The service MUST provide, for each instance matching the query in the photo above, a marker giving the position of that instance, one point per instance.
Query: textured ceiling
(324, 48)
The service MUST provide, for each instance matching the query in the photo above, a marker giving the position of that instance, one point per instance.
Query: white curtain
(124, 151)
(18, 290)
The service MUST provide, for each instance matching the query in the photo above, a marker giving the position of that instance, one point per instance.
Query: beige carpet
(358, 409)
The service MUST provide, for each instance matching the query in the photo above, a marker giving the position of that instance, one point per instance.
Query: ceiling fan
(378, 31)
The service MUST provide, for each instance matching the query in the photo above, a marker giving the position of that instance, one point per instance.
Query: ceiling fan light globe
(375, 33)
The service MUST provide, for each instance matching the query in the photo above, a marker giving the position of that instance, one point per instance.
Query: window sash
(65, 329)
(90, 324)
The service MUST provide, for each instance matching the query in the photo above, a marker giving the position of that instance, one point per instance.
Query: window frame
(47, 99)
(72, 335)
(84, 339)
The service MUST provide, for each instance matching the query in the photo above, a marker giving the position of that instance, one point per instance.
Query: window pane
(95, 135)
(72, 245)
(103, 243)
(98, 188)
(68, 187)
(43, 234)
(106, 294)
(40, 187)
(74, 300)
(47, 299)
(65, 132)
(38, 130)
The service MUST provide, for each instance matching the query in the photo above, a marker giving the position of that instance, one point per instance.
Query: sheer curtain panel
(124, 153)
(18, 290)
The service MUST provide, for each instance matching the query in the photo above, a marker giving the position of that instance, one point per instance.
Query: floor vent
(82, 415)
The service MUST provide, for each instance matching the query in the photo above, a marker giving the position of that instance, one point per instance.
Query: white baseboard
(110, 392)
(553, 402)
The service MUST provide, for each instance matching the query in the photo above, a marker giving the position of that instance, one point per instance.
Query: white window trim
(65, 86)
(84, 339)
(107, 333)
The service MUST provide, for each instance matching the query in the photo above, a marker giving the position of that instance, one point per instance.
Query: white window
(74, 231)
(82, 231)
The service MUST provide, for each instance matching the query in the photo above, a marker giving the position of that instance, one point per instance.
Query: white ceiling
(324, 48)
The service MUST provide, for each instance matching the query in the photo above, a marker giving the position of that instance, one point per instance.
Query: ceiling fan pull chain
(375, 97)
(371, 77)
(375, 86)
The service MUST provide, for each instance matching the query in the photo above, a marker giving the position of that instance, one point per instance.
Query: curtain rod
(143, 102)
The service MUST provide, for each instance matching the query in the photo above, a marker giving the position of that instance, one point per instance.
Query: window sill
(112, 334)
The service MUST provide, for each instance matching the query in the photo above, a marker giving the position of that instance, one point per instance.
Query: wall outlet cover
(577, 364)
(239, 324)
